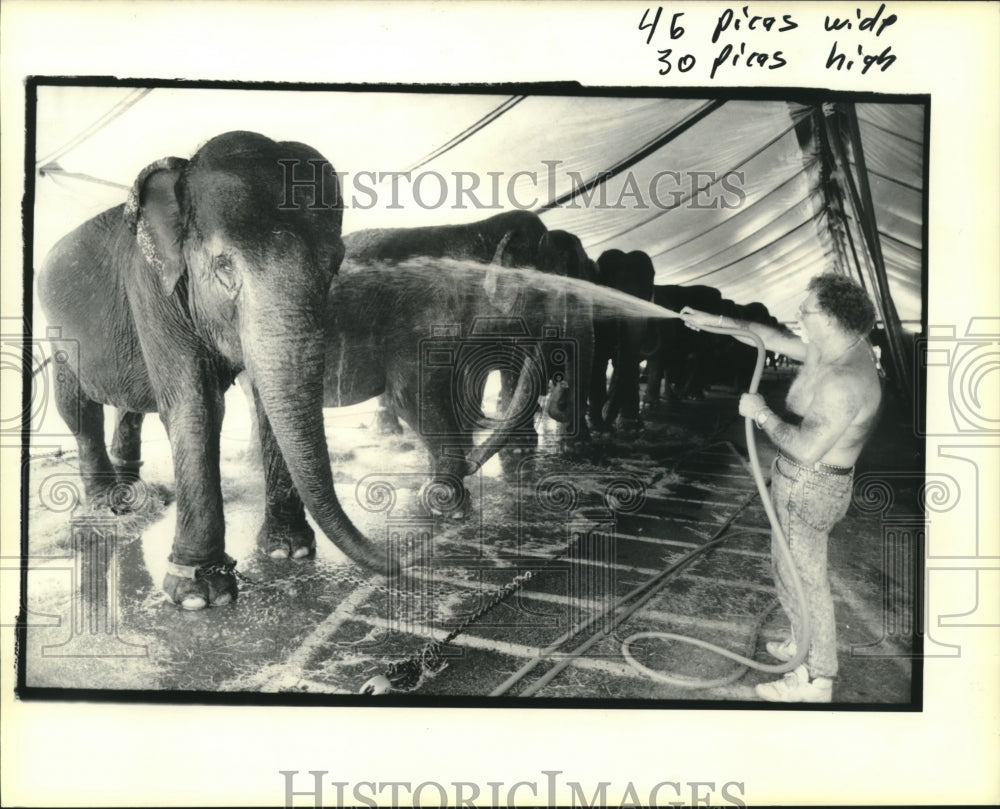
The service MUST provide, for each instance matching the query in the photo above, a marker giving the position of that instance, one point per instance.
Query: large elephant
(214, 265)
(621, 339)
(514, 239)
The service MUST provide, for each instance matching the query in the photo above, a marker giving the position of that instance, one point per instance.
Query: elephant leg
(629, 393)
(525, 438)
(445, 494)
(285, 533)
(654, 380)
(388, 421)
(252, 452)
(612, 404)
(446, 439)
(126, 446)
(199, 573)
(622, 408)
(580, 384)
(85, 419)
(598, 392)
(699, 365)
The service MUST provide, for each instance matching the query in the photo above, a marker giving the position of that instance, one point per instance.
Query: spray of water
(424, 276)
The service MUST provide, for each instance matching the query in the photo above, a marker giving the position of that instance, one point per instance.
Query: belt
(822, 468)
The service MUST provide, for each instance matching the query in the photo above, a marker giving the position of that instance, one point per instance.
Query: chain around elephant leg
(196, 587)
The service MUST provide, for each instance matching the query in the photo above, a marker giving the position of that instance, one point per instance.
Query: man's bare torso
(856, 373)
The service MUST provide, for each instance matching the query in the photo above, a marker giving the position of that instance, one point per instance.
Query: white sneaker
(796, 687)
(782, 651)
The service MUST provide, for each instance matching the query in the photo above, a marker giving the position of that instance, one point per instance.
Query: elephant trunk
(520, 403)
(286, 361)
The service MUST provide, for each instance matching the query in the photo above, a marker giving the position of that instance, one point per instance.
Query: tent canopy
(753, 197)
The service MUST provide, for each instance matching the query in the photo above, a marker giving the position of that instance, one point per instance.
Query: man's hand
(751, 404)
(694, 319)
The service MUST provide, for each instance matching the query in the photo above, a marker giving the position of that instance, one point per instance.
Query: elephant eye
(222, 266)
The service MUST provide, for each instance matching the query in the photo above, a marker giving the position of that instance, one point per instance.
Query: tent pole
(893, 327)
(834, 199)
(877, 296)
(866, 223)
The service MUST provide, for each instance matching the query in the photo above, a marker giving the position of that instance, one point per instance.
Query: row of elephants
(217, 266)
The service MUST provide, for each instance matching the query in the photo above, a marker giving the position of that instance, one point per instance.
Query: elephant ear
(153, 214)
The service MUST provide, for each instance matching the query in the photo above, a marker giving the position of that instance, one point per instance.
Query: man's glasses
(802, 311)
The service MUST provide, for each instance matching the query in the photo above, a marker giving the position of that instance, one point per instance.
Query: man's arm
(835, 405)
(774, 340)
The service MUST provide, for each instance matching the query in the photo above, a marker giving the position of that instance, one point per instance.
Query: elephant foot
(388, 423)
(120, 496)
(287, 541)
(446, 498)
(197, 587)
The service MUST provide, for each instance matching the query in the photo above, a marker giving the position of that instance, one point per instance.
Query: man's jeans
(808, 505)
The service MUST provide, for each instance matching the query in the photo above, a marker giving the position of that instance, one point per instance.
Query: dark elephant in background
(213, 266)
(736, 360)
(682, 353)
(692, 361)
(621, 339)
(561, 253)
(514, 239)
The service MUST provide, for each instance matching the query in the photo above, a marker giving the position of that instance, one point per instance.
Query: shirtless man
(837, 395)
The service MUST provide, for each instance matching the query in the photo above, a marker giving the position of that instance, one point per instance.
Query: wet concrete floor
(577, 537)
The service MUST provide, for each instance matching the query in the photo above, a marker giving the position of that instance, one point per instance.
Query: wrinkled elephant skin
(208, 269)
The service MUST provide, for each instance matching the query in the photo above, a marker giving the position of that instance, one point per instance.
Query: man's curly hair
(841, 297)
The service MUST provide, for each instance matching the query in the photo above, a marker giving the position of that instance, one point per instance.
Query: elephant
(520, 231)
(561, 253)
(730, 363)
(214, 265)
(515, 239)
(621, 339)
(737, 359)
(682, 355)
